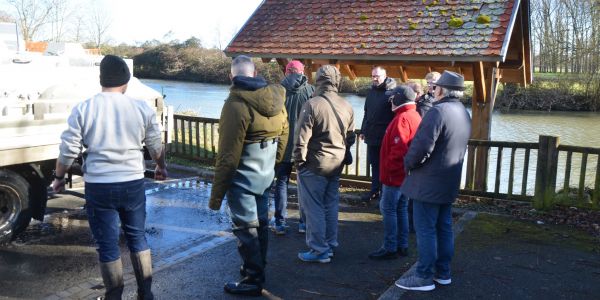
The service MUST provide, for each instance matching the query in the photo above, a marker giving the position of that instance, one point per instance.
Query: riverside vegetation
(189, 61)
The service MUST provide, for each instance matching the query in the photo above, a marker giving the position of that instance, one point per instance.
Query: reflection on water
(573, 128)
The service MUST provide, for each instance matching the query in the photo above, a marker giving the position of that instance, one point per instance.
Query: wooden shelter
(488, 41)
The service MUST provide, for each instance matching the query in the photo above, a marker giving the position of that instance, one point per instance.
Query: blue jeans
(435, 239)
(108, 204)
(320, 202)
(393, 206)
(373, 160)
(282, 179)
(302, 216)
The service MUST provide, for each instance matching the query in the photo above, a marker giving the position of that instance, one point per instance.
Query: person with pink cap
(298, 91)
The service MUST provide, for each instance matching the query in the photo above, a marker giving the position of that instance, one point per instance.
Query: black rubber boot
(263, 240)
(112, 276)
(142, 267)
(253, 267)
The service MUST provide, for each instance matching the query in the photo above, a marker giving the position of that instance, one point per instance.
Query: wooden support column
(485, 85)
(349, 71)
(403, 74)
(282, 63)
(308, 70)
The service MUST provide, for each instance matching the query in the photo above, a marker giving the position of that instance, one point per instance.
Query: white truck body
(37, 94)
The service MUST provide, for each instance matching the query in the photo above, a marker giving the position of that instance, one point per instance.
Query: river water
(573, 128)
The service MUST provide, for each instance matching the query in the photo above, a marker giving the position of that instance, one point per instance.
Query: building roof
(417, 30)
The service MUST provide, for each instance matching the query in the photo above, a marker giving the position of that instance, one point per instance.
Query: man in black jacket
(425, 102)
(297, 92)
(378, 114)
(434, 164)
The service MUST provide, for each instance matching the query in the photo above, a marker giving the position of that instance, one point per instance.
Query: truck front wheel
(15, 214)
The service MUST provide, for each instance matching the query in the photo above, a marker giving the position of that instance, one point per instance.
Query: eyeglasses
(377, 76)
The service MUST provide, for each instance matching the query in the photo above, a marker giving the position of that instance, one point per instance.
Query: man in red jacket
(393, 204)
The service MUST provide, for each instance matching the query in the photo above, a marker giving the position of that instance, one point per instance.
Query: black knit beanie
(113, 71)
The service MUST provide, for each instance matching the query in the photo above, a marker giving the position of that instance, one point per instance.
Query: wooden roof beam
(348, 70)
(403, 74)
(308, 69)
(425, 64)
(282, 62)
(479, 90)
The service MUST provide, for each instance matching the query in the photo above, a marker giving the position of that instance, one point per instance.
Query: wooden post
(485, 84)
(545, 175)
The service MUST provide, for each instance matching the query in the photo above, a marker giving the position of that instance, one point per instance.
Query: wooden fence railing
(194, 137)
(541, 172)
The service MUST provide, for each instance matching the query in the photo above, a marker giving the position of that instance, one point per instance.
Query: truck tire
(15, 214)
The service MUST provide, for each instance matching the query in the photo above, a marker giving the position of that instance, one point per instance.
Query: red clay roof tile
(413, 28)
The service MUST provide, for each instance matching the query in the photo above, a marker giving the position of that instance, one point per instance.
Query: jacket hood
(388, 84)
(328, 79)
(249, 83)
(267, 100)
(293, 82)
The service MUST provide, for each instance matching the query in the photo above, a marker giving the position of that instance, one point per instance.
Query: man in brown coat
(325, 128)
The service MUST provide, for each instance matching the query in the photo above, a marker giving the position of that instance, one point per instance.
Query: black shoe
(382, 254)
(375, 196)
(402, 251)
(246, 287)
(366, 197)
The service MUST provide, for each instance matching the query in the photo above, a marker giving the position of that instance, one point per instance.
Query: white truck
(37, 93)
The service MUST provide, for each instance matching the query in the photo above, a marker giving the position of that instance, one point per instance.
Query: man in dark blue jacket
(297, 92)
(434, 165)
(378, 115)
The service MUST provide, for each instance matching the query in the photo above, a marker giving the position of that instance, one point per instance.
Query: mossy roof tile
(417, 28)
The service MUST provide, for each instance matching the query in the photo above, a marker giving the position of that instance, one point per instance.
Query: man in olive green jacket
(253, 133)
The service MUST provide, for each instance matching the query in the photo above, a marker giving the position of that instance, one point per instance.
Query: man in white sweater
(111, 129)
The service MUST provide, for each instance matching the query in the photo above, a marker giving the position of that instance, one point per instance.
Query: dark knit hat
(113, 71)
(401, 94)
(452, 81)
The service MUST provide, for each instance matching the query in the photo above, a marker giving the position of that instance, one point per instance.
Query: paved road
(57, 258)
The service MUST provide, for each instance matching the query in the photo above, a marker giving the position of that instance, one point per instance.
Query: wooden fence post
(545, 175)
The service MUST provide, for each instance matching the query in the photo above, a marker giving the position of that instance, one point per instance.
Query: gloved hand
(299, 165)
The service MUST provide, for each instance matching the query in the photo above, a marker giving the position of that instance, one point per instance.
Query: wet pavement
(57, 258)
(194, 254)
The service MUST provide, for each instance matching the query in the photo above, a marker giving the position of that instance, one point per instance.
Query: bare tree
(31, 15)
(6, 17)
(99, 24)
(60, 16)
(77, 27)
